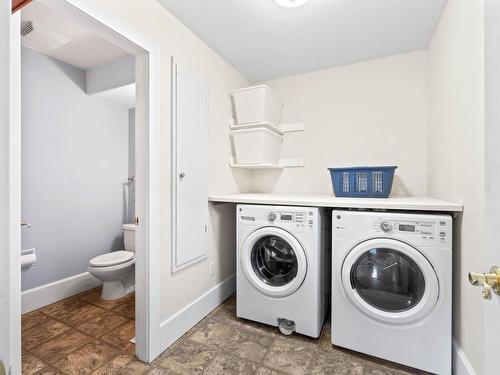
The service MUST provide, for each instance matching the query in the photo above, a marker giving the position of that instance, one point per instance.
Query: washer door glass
(388, 280)
(274, 261)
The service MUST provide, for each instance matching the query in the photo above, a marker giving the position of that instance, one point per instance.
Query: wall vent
(26, 27)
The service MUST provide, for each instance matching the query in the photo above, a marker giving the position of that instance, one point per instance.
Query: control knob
(386, 226)
(271, 216)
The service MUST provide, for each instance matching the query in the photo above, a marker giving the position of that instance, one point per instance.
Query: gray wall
(74, 170)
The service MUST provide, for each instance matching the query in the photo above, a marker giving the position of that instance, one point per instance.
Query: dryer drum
(388, 280)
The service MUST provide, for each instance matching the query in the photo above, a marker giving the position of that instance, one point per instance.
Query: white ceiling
(264, 41)
(83, 49)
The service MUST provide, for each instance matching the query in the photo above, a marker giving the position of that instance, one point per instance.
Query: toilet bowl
(116, 269)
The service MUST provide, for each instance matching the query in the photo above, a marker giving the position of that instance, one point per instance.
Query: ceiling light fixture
(290, 3)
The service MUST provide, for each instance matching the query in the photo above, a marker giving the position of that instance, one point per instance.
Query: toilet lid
(112, 259)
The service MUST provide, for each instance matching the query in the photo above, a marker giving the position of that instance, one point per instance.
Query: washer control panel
(297, 218)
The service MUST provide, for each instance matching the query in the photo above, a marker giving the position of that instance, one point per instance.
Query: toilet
(117, 269)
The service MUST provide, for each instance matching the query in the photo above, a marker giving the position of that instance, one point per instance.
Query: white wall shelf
(283, 163)
(280, 129)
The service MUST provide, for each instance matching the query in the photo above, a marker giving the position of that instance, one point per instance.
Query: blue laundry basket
(362, 182)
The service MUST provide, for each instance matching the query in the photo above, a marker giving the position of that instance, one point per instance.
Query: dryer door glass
(388, 280)
(274, 261)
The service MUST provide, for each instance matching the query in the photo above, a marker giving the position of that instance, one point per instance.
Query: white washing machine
(392, 285)
(283, 263)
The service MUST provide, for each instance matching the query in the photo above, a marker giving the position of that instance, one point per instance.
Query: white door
(10, 191)
(190, 150)
(492, 199)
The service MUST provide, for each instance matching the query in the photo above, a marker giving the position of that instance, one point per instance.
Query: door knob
(25, 223)
(182, 175)
(488, 281)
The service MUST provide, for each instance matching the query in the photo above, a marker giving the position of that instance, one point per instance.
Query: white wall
(74, 167)
(110, 76)
(456, 155)
(368, 113)
(154, 23)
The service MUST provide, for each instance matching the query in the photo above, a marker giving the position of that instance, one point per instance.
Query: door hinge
(206, 228)
(136, 220)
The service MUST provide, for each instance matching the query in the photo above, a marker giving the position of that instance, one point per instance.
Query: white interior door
(190, 167)
(10, 190)
(492, 199)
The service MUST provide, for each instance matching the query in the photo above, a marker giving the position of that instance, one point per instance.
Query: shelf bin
(257, 104)
(256, 146)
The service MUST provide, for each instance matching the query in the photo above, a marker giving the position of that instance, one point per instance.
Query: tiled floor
(81, 335)
(84, 335)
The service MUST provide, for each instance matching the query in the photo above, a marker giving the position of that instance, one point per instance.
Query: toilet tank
(129, 236)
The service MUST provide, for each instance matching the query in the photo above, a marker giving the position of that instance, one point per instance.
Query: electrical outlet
(211, 269)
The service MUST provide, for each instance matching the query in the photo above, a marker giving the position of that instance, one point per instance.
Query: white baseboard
(44, 295)
(174, 327)
(461, 364)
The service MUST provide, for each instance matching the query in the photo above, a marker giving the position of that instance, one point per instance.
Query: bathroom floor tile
(31, 364)
(60, 346)
(62, 308)
(80, 314)
(33, 319)
(101, 324)
(121, 336)
(93, 296)
(87, 359)
(126, 309)
(44, 331)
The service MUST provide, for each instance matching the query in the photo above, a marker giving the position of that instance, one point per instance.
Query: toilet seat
(114, 258)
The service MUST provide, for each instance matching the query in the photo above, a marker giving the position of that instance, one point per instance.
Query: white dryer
(392, 287)
(283, 266)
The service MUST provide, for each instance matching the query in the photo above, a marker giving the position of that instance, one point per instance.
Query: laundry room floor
(223, 344)
(85, 335)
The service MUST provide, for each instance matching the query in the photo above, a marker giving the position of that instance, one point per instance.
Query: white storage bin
(257, 104)
(256, 146)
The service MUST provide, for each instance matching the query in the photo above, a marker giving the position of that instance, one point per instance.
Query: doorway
(147, 315)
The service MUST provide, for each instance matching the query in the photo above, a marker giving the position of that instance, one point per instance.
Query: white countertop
(326, 200)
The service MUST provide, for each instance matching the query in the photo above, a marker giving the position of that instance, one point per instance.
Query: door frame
(10, 191)
(147, 53)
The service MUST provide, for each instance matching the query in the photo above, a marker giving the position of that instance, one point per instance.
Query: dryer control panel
(425, 229)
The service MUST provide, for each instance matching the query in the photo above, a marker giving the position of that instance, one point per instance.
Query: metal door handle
(488, 281)
(25, 223)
